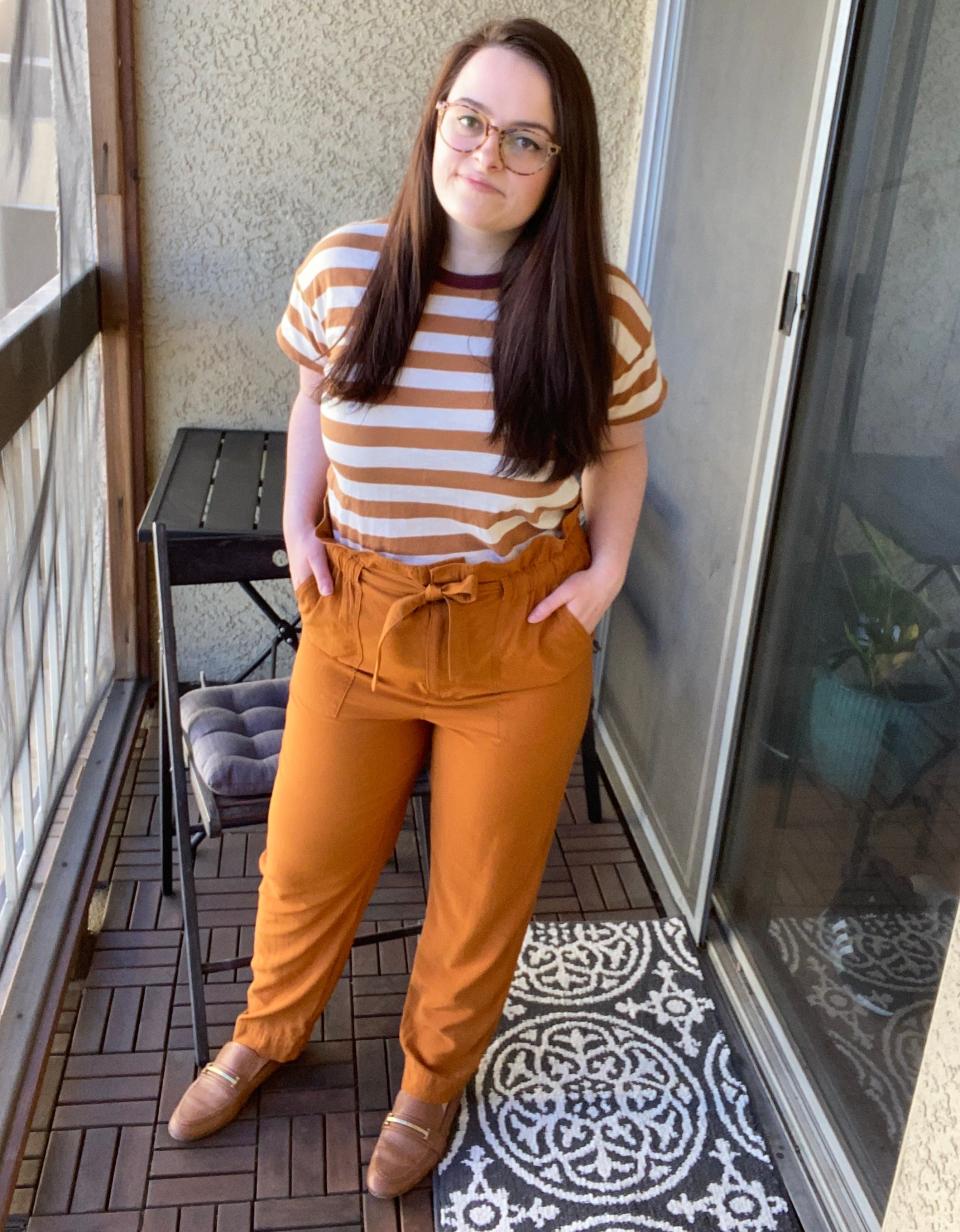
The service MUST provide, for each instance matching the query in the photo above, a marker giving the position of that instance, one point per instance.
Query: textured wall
(926, 1187)
(258, 132)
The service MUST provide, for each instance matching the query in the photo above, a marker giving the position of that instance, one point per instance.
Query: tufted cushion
(234, 731)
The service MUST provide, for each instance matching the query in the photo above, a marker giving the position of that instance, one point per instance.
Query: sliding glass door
(840, 868)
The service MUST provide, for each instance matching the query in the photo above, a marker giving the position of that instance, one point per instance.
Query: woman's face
(509, 90)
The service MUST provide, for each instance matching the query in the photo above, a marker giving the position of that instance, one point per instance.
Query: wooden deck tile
(211, 1187)
(328, 1211)
(307, 1155)
(58, 1172)
(94, 1169)
(188, 1161)
(234, 1217)
(273, 1158)
(128, 1189)
(101, 1221)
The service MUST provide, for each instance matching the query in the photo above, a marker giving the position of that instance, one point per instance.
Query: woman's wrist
(610, 569)
(298, 521)
(298, 528)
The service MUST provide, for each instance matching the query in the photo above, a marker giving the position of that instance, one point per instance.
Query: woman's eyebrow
(516, 124)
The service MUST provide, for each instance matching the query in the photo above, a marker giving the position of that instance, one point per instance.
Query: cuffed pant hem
(261, 1041)
(433, 1088)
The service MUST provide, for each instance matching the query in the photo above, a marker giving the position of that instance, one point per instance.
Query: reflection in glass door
(840, 869)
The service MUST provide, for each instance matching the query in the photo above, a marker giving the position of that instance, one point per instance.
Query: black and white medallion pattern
(870, 979)
(608, 1099)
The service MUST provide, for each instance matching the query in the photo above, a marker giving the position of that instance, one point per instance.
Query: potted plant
(880, 708)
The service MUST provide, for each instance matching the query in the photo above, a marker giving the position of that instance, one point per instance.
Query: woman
(449, 592)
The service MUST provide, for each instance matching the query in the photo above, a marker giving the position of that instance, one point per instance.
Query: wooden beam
(116, 178)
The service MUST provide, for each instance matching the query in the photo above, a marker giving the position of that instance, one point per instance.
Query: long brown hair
(552, 364)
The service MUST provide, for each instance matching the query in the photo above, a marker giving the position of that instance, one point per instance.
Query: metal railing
(56, 643)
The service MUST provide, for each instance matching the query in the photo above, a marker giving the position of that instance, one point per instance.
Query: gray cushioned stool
(231, 745)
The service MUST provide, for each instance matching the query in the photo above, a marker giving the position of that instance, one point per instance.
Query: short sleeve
(300, 333)
(639, 386)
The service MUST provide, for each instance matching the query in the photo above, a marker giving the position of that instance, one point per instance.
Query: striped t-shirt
(413, 477)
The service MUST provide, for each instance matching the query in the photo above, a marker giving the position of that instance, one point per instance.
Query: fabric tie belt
(463, 591)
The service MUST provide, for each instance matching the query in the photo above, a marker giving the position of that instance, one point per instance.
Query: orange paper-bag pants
(400, 660)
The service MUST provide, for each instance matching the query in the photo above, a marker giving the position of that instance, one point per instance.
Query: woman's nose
(488, 151)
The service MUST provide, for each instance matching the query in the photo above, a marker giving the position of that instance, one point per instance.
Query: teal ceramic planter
(859, 739)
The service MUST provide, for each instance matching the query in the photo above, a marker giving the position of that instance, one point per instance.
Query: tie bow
(462, 590)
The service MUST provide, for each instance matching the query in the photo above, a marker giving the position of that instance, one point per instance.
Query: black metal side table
(220, 496)
(218, 507)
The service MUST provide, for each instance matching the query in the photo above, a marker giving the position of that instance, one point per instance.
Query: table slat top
(222, 482)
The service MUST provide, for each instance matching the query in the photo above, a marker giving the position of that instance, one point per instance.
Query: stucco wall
(258, 131)
(926, 1187)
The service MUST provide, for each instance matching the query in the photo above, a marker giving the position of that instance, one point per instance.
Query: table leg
(165, 792)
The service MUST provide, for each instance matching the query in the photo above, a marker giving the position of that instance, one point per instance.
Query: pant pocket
(564, 612)
(547, 650)
(319, 682)
(331, 622)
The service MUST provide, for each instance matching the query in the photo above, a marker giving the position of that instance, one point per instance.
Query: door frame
(766, 464)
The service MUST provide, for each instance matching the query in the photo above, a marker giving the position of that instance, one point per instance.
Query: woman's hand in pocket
(587, 594)
(307, 556)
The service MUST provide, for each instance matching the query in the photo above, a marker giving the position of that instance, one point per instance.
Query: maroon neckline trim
(478, 282)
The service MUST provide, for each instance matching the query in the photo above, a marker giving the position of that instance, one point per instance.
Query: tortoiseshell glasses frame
(552, 149)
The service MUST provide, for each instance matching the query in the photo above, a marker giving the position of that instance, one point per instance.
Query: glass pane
(56, 645)
(28, 156)
(841, 865)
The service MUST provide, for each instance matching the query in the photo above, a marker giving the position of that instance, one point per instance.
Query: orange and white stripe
(413, 477)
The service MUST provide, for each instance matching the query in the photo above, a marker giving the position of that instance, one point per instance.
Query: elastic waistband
(454, 581)
(544, 549)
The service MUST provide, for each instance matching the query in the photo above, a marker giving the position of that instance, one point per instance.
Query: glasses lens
(461, 127)
(524, 151)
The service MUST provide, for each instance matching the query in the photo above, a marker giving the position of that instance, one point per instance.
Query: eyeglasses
(522, 150)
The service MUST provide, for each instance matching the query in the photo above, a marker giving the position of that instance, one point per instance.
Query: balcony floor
(99, 1158)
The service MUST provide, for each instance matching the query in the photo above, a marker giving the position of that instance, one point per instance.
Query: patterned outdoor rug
(871, 979)
(608, 1099)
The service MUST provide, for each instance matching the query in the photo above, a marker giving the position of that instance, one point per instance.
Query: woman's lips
(479, 185)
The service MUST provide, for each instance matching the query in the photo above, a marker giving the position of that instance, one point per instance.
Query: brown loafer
(413, 1140)
(219, 1091)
